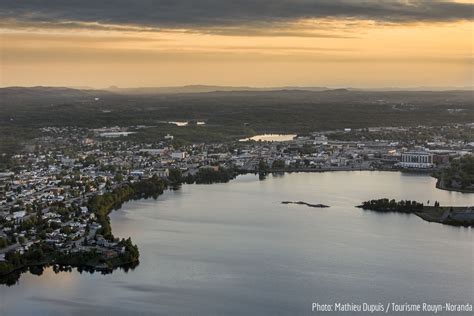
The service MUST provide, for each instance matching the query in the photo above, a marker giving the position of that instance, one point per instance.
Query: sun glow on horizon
(330, 52)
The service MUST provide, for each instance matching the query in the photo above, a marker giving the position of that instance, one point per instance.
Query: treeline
(93, 258)
(203, 176)
(386, 205)
(131, 250)
(41, 255)
(102, 205)
(209, 175)
(15, 260)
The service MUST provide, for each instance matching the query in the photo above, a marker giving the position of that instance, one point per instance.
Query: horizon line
(285, 87)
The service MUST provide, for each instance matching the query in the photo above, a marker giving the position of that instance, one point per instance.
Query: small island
(448, 215)
(305, 203)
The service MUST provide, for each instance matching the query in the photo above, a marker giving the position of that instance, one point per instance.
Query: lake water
(186, 123)
(270, 138)
(235, 249)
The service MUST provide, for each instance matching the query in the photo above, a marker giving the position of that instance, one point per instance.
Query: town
(48, 195)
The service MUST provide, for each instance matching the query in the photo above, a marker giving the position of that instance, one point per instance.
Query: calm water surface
(234, 249)
(270, 138)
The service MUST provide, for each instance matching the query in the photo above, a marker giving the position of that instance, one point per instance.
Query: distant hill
(47, 94)
(213, 88)
(12, 98)
(65, 94)
(229, 115)
(201, 89)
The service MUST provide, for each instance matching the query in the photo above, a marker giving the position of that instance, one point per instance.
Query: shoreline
(441, 216)
(46, 264)
(101, 207)
(440, 185)
(428, 172)
(107, 265)
(240, 172)
(336, 169)
(446, 215)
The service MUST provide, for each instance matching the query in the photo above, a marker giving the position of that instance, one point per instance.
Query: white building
(19, 216)
(153, 151)
(320, 140)
(162, 173)
(421, 159)
(178, 155)
(115, 134)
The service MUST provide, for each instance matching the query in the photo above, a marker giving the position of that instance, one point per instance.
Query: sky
(260, 43)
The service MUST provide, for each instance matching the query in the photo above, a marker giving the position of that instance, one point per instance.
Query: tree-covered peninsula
(99, 249)
(103, 204)
(449, 215)
(386, 205)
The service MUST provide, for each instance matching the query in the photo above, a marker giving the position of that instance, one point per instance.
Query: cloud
(223, 16)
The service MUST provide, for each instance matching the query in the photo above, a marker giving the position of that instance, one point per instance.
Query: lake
(185, 123)
(270, 138)
(235, 249)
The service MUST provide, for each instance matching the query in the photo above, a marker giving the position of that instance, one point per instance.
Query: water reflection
(235, 249)
(270, 138)
(38, 270)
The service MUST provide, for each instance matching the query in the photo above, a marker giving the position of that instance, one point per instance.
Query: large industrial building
(420, 159)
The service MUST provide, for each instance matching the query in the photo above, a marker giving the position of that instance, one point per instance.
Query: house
(84, 210)
(19, 216)
(109, 254)
(162, 173)
(136, 173)
(101, 241)
(153, 151)
(214, 168)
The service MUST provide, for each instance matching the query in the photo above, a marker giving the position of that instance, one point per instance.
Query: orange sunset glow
(398, 45)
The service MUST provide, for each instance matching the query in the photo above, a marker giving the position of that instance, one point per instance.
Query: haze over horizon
(210, 88)
(278, 43)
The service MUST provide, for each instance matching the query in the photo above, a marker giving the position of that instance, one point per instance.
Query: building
(413, 159)
(19, 216)
(153, 151)
(115, 134)
(320, 140)
(136, 173)
(178, 155)
(162, 173)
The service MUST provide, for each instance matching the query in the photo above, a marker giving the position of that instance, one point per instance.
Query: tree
(278, 164)
(262, 166)
(118, 178)
(175, 175)
(3, 243)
